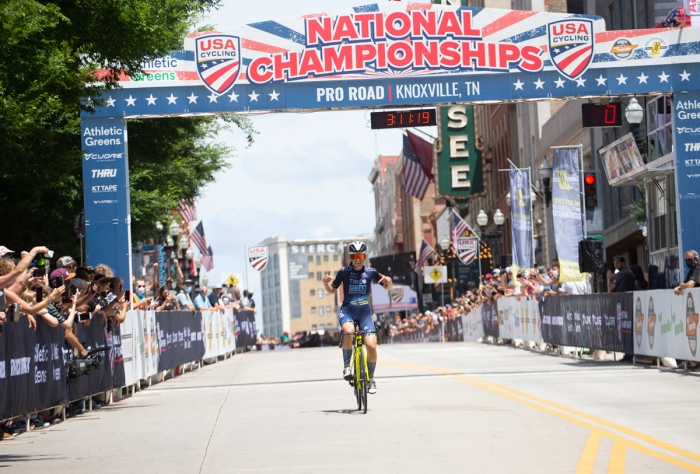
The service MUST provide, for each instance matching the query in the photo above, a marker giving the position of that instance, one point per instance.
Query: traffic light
(590, 193)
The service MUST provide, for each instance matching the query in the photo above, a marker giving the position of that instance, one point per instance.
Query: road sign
(432, 275)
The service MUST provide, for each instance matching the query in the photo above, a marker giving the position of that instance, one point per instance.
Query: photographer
(165, 301)
(22, 265)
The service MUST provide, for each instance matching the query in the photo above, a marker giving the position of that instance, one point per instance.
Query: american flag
(187, 211)
(208, 259)
(425, 251)
(198, 238)
(417, 165)
(459, 227)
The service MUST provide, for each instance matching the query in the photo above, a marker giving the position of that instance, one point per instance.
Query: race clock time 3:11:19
(403, 119)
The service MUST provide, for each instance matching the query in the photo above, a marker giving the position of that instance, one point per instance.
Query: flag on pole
(208, 260)
(187, 210)
(459, 227)
(425, 251)
(417, 165)
(466, 248)
(198, 238)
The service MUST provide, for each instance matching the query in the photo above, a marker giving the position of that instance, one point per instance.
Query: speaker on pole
(590, 256)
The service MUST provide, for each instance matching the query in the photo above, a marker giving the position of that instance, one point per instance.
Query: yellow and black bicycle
(360, 373)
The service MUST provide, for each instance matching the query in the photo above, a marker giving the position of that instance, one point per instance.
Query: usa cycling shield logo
(571, 46)
(218, 61)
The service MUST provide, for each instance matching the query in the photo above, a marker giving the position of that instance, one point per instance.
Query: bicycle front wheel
(356, 384)
(364, 380)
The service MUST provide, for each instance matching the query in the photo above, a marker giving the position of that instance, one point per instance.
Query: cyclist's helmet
(357, 247)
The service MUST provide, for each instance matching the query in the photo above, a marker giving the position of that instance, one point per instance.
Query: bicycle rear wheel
(356, 385)
(364, 381)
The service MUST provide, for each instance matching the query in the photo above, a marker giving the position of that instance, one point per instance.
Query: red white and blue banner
(257, 256)
(521, 219)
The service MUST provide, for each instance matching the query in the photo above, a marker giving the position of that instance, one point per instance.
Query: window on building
(313, 292)
(320, 293)
(325, 258)
(313, 309)
(318, 260)
(328, 309)
(319, 276)
(321, 327)
(270, 279)
(335, 257)
(320, 311)
(313, 327)
(262, 281)
(277, 279)
(276, 261)
(311, 258)
(277, 296)
(329, 325)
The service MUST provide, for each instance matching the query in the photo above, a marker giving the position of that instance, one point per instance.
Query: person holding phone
(138, 297)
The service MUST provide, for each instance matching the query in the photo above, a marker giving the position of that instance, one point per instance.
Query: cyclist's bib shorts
(364, 319)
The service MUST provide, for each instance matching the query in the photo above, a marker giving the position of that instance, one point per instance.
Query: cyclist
(357, 279)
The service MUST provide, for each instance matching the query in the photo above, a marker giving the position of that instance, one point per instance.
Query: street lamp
(634, 112)
(546, 175)
(174, 229)
(493, 239)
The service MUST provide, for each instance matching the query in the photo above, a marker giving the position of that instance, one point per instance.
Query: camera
(84, 316)
(84, 366)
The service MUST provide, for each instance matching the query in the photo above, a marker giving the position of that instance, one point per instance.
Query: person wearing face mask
(692, 279)
(138, 297)
(184, 297)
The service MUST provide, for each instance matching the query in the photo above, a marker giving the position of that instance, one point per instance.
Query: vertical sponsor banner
(459, 168)
(686, 145)
(566, 210)
(106, 193)
(521, 218)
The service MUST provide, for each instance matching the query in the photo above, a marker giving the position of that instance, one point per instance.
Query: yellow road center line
(530, 401)
(617, 459)
(590, 451)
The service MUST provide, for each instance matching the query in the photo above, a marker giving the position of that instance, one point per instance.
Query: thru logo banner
(257, 256)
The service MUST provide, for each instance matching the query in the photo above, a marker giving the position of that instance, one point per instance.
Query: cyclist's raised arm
(385, 281)
(327, 279)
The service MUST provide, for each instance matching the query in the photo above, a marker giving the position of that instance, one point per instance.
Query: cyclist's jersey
(357, 285)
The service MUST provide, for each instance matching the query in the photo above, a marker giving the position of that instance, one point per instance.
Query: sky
(305, 177)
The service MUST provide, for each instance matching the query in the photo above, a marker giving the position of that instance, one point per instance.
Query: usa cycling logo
(571, 46)
(218, 61)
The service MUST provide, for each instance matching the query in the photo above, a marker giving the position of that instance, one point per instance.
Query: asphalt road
(455, 407)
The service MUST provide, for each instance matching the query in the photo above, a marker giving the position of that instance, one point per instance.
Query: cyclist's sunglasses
(361, 256)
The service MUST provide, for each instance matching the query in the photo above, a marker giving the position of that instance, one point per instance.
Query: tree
(49, 56)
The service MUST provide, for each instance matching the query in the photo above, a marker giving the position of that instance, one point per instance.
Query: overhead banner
(521, 219)
(601, 321)
(566, 211)
(459, 162)
(257, 256)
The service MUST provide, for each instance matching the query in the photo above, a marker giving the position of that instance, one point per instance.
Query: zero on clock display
(403, 119)
(602, 115)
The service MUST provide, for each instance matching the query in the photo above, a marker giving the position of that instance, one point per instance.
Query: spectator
(168, 280)
(623, 279)
(692, 279)
(138, 297)
(215, 296)
(68, 263)
(183, 297)
(640, 283)
(247, 303)
(574, 288)
(201, 301)
(165, 301)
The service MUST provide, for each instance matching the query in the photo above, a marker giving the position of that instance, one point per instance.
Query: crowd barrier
(437, 334)
(34, 364)
(654, 323)
(454, 330)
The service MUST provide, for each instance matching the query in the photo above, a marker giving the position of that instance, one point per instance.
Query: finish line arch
(389, 55)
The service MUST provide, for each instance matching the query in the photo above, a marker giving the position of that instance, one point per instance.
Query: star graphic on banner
(214, 62)
(663, 77)
(539, 84)
(685, 76)
(518, 85)
(233, 96)
(110, 102)
(151, 100)
(130, 101)
(274, 95)
(212, 97)
(601, 80)
(557, 51)
(204, 66)
(172, 99)
(253, 96)
(192, 98)
(580, 82)
(560, 83)
(643, 78)
(621, 80)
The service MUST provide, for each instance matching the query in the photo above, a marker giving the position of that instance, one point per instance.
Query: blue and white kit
(357, 286)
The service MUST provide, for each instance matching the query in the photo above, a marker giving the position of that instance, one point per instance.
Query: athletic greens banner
(566, 210)
(521, 219)
(458, 161)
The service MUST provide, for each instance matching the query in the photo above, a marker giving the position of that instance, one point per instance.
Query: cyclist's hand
(327, 278)
(385, 281)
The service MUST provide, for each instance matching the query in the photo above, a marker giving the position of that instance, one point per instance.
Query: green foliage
(49, 53)
(638, 208)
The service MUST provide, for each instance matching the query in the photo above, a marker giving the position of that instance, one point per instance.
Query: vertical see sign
(459, 163)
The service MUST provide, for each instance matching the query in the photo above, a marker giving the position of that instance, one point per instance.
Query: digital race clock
(602, 115)
(404, 119)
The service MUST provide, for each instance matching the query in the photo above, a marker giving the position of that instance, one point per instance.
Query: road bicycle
(360, 372)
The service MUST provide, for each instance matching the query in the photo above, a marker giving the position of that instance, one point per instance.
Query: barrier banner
(434, 335)
(665, 325)
(454, 330)
(179, 338)
(527, 324)
(505, 309)
(218, 333)
(471, 323)
(32, 368)
(489, 319)
(602, 322)
(110, 374)
(566, 209)
(151, 351)
(245, 328)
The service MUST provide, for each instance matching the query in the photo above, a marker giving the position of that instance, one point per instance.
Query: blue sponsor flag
(566, 211)
(521, 218)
